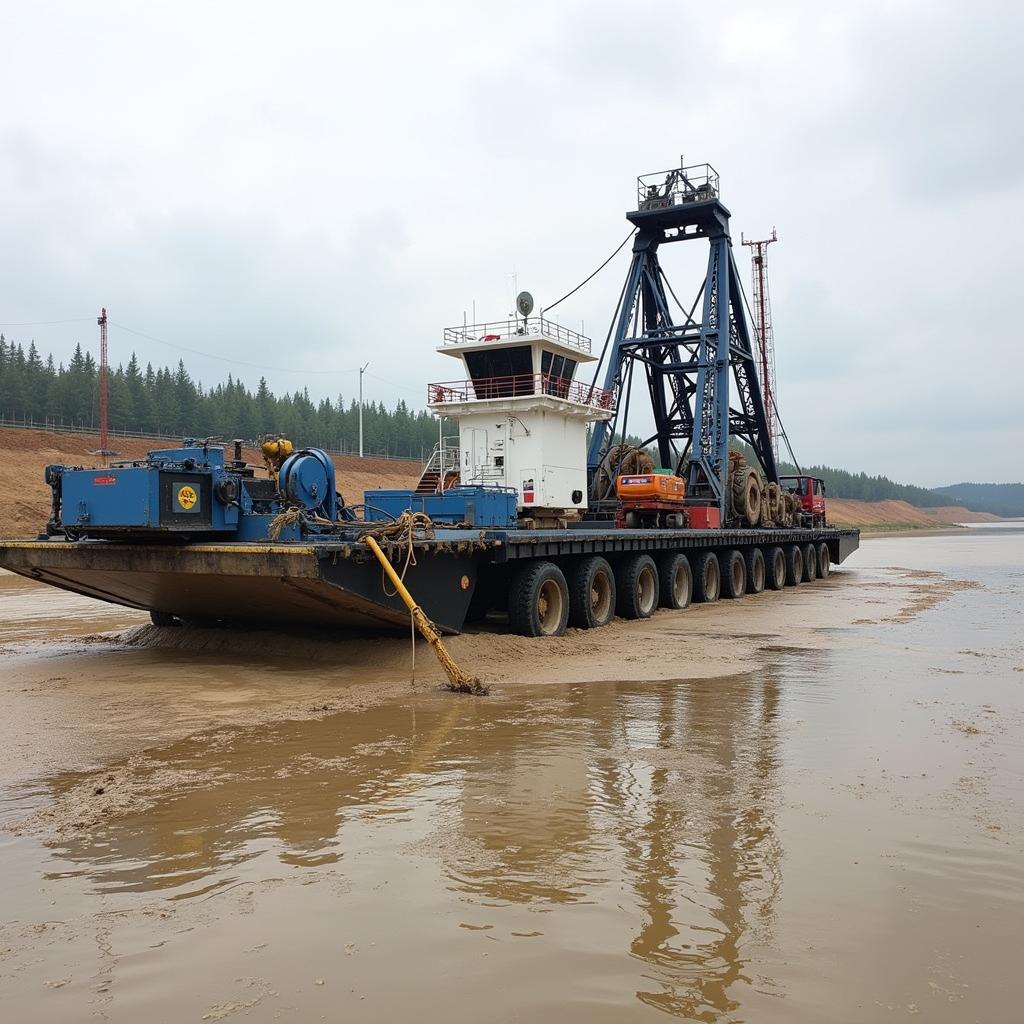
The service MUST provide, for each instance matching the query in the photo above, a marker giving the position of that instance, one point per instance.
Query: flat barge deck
(336, 582)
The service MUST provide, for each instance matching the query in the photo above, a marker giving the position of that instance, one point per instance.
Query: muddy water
(833, 834)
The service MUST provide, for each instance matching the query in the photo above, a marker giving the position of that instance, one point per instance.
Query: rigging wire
(690, 322)
(225, 359)
(205, 355)
(394, 383)
(49, 323)
(618, 249)
(778, 418)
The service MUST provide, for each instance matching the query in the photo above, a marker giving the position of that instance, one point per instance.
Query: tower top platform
(524, 331)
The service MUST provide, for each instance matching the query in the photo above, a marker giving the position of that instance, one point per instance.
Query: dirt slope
(959, 514)
(25, 497)
(847, 512)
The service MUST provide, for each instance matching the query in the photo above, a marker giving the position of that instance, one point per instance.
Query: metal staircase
(442, 468)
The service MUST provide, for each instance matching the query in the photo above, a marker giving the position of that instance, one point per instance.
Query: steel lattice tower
(763, 331)
(697, 363)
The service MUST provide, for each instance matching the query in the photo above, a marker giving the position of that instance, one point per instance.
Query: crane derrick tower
(763, 330)
(687, 363)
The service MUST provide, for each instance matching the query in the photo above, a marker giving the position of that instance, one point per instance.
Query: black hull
(270, 584)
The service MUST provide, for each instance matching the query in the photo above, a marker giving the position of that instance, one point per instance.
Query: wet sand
(797, 807)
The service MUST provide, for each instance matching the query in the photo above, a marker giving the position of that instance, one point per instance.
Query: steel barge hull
(337, 583)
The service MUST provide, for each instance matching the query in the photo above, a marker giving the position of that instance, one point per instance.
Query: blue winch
(192, 491)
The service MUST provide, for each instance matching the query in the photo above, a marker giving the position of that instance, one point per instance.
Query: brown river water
(823, 823)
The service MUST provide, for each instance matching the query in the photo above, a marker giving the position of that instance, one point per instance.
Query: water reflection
(654, 799)
(697, 834)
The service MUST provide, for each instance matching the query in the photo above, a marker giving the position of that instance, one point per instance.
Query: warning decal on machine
(187, 497)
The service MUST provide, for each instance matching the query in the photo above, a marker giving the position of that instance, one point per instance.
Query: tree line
(841, 483)
(169, 403)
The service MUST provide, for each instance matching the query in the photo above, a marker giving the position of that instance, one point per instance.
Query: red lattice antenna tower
(104, 378)
(763, 329)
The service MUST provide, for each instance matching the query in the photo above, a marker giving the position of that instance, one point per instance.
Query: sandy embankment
(899, 515)
(25, 501)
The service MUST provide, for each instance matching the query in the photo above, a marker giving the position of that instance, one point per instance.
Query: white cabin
(521, 412)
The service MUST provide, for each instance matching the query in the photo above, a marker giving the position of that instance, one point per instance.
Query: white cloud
(321, 184)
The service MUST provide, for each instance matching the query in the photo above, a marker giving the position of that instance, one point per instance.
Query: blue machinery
(686, 362)
(192, 492)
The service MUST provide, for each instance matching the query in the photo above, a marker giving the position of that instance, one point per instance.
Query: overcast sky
(309, 186)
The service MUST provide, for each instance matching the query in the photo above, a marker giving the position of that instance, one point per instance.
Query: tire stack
(747, 491)
(773, 493)
(622, 460)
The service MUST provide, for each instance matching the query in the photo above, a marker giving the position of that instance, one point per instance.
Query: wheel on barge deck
(794, 565)
(775, 564)
(824, 560)
(707, 577)
(636, 585)
(734, 574)
(810, 553)
(591, 593)
(676, 580)
(538, 600)
(756, 573)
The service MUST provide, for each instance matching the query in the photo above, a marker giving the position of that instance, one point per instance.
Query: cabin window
(501, 372)
(557, 372)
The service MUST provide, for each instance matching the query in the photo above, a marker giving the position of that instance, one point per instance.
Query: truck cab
(811, 492)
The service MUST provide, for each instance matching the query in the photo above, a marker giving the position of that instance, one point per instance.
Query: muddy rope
(401, 532)
(281, 522)
(291, 516)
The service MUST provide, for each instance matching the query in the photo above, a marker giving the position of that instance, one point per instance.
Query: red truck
(811, 492)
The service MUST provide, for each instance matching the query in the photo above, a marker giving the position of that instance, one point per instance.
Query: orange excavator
(650, 500)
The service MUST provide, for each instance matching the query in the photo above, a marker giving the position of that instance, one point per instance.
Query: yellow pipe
(458, 680)
(389, 569)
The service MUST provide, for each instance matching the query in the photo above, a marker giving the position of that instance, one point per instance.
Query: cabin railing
(519, 386)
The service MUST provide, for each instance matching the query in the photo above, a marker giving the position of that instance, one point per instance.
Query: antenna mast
(764, 332)
(104, 374)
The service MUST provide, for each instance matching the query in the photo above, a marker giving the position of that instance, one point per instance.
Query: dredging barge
(536, 510)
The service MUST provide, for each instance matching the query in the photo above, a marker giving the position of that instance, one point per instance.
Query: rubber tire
(810, 554)
(824, 561)
(756, 572)
(775, 575)
(707, 578)
(163, 619)
(582, 613)
(734, 574)
(636, 585)
(524, 599)
(794, 565)
(670, 568)
(746, 495)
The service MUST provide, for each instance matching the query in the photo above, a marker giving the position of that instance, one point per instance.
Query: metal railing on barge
(520, 386)
(512, 330)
